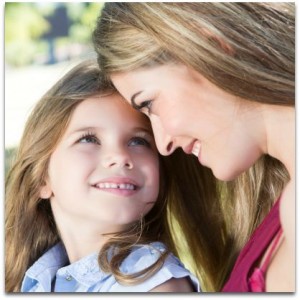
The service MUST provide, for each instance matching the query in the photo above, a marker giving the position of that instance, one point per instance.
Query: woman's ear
(45, 191)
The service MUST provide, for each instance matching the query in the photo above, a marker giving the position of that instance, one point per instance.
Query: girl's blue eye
(138, 141)
(89, 139)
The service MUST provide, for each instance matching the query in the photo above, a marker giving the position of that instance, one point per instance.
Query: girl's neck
(82, 240)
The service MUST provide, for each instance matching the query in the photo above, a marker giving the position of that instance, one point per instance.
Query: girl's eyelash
(142, 141)
(89, 135)
(91, 138)
(145, 137)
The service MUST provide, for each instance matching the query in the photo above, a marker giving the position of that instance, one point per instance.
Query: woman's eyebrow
(132, 100)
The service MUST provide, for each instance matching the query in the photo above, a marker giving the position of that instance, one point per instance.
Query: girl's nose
(117, 159)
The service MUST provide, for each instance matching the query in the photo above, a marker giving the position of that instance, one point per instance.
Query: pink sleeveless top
(245, 276)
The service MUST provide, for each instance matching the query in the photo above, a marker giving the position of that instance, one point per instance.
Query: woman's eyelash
(145, 104)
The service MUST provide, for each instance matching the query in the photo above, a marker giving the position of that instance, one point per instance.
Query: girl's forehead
(108, 111)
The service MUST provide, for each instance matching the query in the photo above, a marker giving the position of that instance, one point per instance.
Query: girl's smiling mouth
(118, 185)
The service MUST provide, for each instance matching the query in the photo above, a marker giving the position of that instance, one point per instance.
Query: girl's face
(188, 111)
(105, 170)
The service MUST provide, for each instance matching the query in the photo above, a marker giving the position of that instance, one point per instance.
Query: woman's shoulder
(287, 212)
(281, 272)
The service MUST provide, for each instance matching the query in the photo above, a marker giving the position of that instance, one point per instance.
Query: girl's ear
(45, 191)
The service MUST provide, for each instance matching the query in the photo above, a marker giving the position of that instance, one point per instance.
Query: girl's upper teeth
(123, 186)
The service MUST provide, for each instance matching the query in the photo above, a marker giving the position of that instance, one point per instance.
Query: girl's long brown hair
(29, 223)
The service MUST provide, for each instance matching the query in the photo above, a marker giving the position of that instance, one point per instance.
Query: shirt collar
(54, 263)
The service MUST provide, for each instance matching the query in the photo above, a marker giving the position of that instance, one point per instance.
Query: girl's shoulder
(86, 276)
(144, 256)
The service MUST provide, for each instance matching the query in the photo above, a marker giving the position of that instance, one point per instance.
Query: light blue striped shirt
(85, 275)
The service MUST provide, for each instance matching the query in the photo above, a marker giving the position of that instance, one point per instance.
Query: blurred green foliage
(26, 23)
(83, 19)
(23, 25)
(9, 157)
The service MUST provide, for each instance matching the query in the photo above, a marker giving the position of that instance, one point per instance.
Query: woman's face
(188, 111)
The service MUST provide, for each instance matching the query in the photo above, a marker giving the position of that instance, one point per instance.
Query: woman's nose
(165, 145)
(164, 142)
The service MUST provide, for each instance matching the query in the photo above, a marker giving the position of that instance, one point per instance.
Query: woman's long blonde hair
(247, 49)
(30, 227)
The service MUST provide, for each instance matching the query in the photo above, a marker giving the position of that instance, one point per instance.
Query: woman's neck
(280, 135)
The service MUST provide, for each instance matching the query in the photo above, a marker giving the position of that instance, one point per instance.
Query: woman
(217, 80)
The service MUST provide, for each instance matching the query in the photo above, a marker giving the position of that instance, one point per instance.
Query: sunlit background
(42, 42)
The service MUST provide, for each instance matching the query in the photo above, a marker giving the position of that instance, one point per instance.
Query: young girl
(217, 80)
(88, 178)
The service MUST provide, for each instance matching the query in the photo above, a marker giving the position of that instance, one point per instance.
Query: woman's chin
(225, 174)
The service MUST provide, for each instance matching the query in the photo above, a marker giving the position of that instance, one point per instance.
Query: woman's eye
(138, 141)
(89, 139)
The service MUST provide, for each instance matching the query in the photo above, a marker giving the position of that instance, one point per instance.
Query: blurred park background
(42, 42)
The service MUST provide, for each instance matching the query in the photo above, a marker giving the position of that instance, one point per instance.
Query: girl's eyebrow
(142, 129)
(93, 128)
(81, 129)
(132, 99)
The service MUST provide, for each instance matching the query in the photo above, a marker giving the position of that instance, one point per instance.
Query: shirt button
(69, 277)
